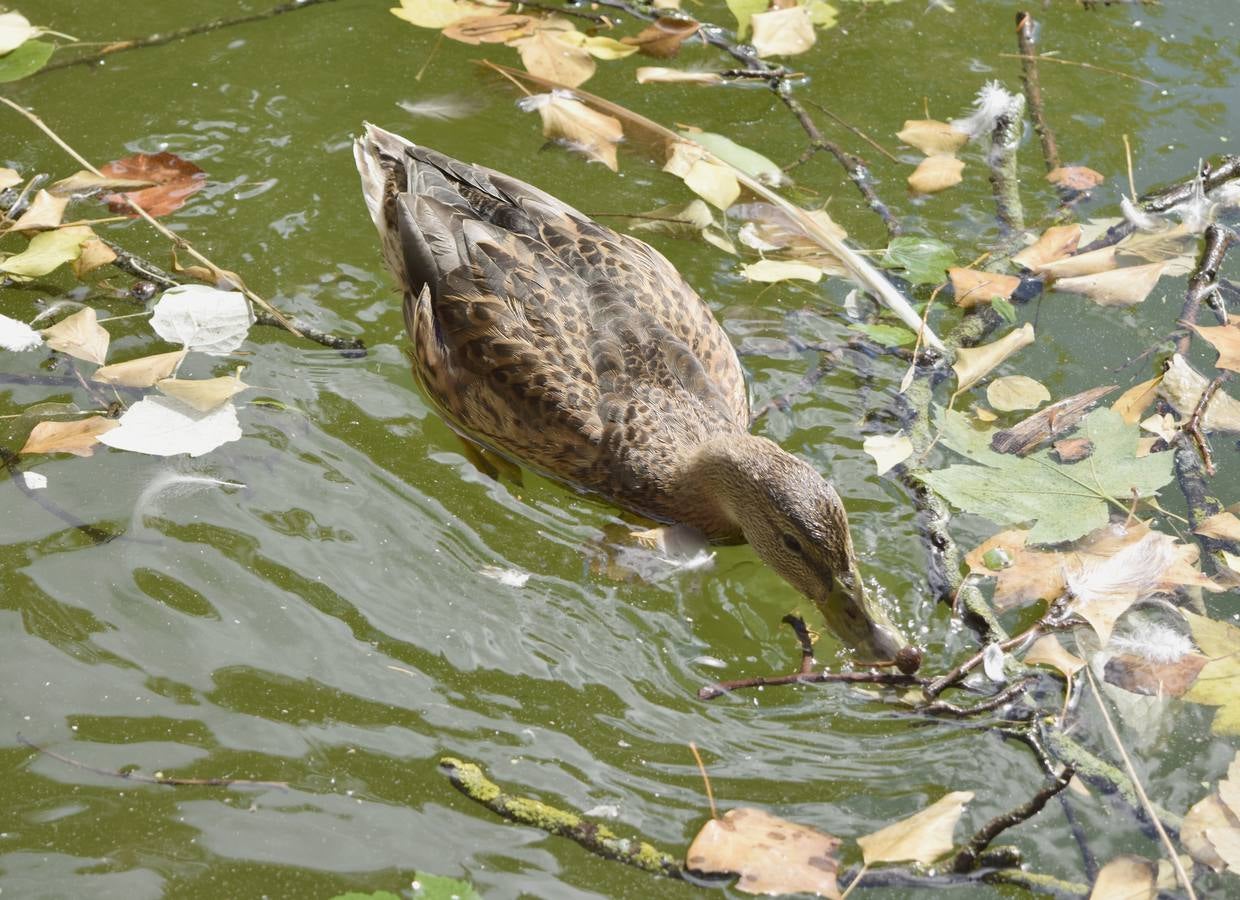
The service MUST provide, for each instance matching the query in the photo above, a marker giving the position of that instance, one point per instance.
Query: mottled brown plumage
(582, 354)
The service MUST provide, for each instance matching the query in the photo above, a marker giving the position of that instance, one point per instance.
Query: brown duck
(581, 354)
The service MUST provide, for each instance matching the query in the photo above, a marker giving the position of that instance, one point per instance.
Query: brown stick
(966, 859)
(1027, 40)
(1193, 427)
(1203, 284)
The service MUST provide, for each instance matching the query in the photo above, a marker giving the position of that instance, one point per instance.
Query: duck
(555, 344)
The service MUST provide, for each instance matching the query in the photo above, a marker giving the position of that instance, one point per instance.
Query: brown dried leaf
(95, 254)
(1047, 651)
(45, 211)
(1138, 675)
(1103, 259)
(1224, 526)
(936, 173)
(771, 855)
(662, 37)
(1224, 338)
(923, 837)
(141, 372)
(1055, 243)
(568, 119)
(1126, 878)
(1119, 287)
(78, 438)
(543, 53)
(1182, 387)
(972, 287)
(1075, 178)
(932, 138)
(490, 29)
(79, 335)
(175, 180)
(1203, 818)
(974, 363)
(1133, 403)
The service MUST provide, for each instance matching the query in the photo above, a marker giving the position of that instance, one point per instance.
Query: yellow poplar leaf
(1056, 242)
(783, 32)
(771, 855)
(654, 74)
(1224, 526)
(80, 335)
(442, 13)
(984, 415)
(141, 372)
(713, 181)
(47, 250)
(1126, 878)
(1047, 651)
(936, 173)
(94, 255)
(1133, 403)
(566, 118)
(923, 837)
(972, 287)
(1091, 263)
(1118, 287)
(1226, 340)
(9, 178)
(1182, 387)
(1013, 392)
(203, 394)
(547, 54)
(1076, 178)
(770, 270)
(1205, 816)
(45, 211)
(490, 29)
(932, 138)
(974, 363)
(78, 438)
(888, 450)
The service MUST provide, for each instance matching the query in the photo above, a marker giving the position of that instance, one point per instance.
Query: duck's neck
(720, 479)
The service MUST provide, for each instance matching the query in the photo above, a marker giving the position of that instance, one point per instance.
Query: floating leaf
(750, 162)
(771, 855)
(745, 10)
(1056, 242)
(920, 260)
(15, 30)
(932, 138)
(1104, 259)
(1224, 526)
(27, 59)
(18, 336)
(1126, 877)
(888, 450)
(972, 287)
(1075, 178)
(1226, 340)
(490, 29)
(1047, 651)
(1118, 287)
(600, 47)
(442, 13)
(653, 74)
(675, 219)
(78, 438)
(141, 372)
(923, 837)
(203, 394)
(545, 54)
(566, 118)
(79, 335)
(9, 178)
(203, 318)
(45, 211)
(1212, 817)
(713, 181)
(1013, 392)
(783, 32)
(771, 270)
(1182, 387)
(662, 37)
(94, 255)
(175, 179)
(974, 363)
(936, 173)
(83, 181)
(163, 426)
(47, 251)
(1133, 403)
(1218, 684)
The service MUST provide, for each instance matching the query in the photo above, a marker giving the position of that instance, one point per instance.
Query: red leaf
(175, 180)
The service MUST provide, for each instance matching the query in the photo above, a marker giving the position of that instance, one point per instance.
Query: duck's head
(796, 522)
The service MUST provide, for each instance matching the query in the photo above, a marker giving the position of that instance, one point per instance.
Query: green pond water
(335, 621)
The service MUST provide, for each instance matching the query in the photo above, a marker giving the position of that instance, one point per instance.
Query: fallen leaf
(15, 30)
(1218, 684)
(598, 46)
(79, 335)
(1118, 287)
(1224, 526)
(95, 254)
(920, 260)
(1047, 651)
(972, 287)
(1223, 338)
(545, 54)
(162, 426)
(203, 394)
(83, 181)
(45, 211)
(47, 251)
(490, 29)
(936, 173)
(750, 162)
(1182, 387)
(1126, 878)
(27, 59)
(1207, 816)
(78, 438)
(888, 450)
(9, 178)
(1138, 674)
(662, 37)
(1012, 392)
(783, 32)
(175, 179)
(745, 10)
(18, 336)
(141, 372)
(1075, 178)
(675, 220)
(985, 415)
(1133, 403)
(769, 228)
(442, 13)
(932, 138)
(974, 363)
(202, 318)
(772, 270)
(771, 855)
(565, 118)
(659, 74)
(1104, 259)
(1056, 242)
(713, 181)
(923, 837)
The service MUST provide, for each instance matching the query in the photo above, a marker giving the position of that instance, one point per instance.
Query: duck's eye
(792, 543)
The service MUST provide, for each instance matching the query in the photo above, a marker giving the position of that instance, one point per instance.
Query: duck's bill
(860, 622)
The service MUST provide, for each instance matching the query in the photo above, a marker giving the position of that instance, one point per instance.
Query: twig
(966, 859)
(1193, 427)
(1044, 57)
(176, 239)
(1136, 784)
(1026, 38)
(1203, 283)
(469, 779)
(943, 682)
(710, 794)
(1005, 696)
(890, 679)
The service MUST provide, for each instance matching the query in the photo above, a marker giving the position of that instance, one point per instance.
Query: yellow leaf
(78, 438)
(1091, 263)
(80, 335)
(1224, 526)
(9, 178)
(771, 855)
(47, 250)
(599, 46)
(94, 255)
(1047, 651)
(1182, 387)
(932, 138)
(713, 181)
(771, 270)
(1134, 401)
(974, 363)
(783, 32)
(1203, 817)
(548, 54)
(45, 211)
(936, 173)
(442, 13)
(566, 118)
(1013, 392)
(141, 372)
(1126, 878)
(923, 837)
(203, 394)
(1226, 340)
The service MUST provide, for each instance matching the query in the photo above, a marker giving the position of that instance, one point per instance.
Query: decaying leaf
(1118, 287)
(771, 270)
(713, 181)
(83, 181)
(1126, 877)
(888, 450)
(659, 74)
(45, 211)
(768, 228)
(47, 251)
(1182, 387)
(9, 178)
(203, 318)
(79, 335)
(1047, 651)
(1075, 178)
(1056, 419)
(1133, 403)
(1056, 242)
(442, 13)
(1226, 340)
(18, 336)
(598, 46)
(974, 363)
(162, 426)
(1214, 817)
(94, 254)
(1224, 526)
(972, 286)
(662, 37)
(78, 437)
(1104, 259)
(936, 173)
(932, 138)
(1151, 674)
(203, 394)
(1164, 426)
(675, 219)
(175, 179)
(545, 54)
(141, 372)
(771, 855)
(565, 118)
(923, 837)
(490, 29)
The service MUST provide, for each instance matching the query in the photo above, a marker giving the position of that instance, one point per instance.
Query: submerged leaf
(78, 438)
(1075, 178)
(923, 837)
(1126, 877)
(204, 394)
(166, 427)
(771, 855)
(920, 260)
(175, 179)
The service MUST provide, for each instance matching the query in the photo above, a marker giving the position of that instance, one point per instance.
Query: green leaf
(923, 260)
(27, 59)
(821, 13)
(1004, 308)
(47, 250)
(887, 335)
(1218, 683)
(439, 887)
(744, 10)
(1065, 501)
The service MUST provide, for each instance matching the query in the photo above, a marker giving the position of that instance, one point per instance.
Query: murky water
(334, 622)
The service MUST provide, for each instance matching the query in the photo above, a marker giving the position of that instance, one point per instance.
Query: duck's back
(568, 347)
